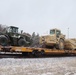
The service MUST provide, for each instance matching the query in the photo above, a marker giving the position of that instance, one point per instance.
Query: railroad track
(30, 56)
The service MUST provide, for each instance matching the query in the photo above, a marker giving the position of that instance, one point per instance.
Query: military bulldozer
(11, 37)
(54, 40)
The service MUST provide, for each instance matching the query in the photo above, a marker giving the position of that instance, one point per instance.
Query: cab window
(15, 30)
(52, 32)
(57, 33)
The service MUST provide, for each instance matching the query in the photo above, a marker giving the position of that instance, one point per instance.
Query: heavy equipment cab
(12, 29)
(56, 32)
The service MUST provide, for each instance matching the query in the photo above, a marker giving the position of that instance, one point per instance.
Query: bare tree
(35, 40)
(2, 28)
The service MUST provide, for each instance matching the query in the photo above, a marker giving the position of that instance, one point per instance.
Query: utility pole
(68, 33)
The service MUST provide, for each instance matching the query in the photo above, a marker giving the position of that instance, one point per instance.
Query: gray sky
(40, 15)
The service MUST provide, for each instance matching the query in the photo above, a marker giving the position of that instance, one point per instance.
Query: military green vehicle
(11, 37)
(54, 40)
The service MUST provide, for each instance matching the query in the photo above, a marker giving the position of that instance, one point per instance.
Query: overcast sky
(40, 15)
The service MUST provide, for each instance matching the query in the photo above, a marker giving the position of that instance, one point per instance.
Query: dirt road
(38, 66)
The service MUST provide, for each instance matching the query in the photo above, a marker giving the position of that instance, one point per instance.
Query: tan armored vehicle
(54, 40)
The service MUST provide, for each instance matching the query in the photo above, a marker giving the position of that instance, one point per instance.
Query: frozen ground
(38, 66)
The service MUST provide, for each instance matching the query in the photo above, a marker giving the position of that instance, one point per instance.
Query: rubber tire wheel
(22, 42)
(3, 40)
(61, 44)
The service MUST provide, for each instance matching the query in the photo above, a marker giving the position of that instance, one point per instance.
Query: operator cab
(55, 32)
(12, 29)
(52, 32)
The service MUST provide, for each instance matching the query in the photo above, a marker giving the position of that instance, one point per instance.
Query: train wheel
(25, 53)
(36, 53)
(42, 52)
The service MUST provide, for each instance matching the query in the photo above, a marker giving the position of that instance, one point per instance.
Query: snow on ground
(38, 66)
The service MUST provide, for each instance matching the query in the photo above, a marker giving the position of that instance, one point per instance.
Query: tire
(61, 44)
(22, 42)
(3, 40)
